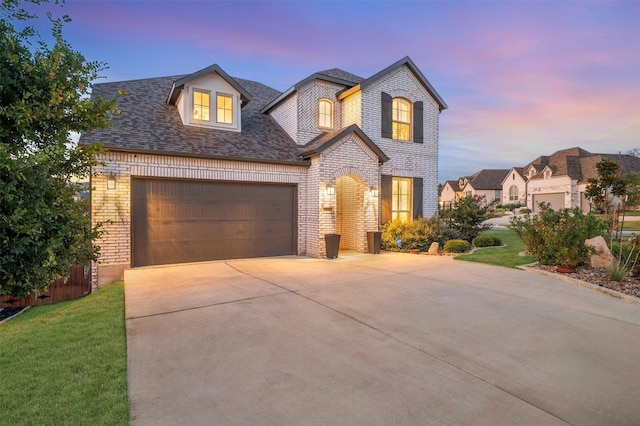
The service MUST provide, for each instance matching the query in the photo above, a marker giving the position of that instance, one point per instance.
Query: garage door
(555, 199)
(177, 221)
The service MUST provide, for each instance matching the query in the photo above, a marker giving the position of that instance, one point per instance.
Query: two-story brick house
(206, 166)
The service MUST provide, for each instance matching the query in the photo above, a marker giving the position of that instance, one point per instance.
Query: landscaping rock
(433, 248)
(603, 257)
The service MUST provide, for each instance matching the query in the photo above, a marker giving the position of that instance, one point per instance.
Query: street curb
(613, 293)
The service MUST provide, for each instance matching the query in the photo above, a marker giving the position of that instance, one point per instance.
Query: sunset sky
(521, 78)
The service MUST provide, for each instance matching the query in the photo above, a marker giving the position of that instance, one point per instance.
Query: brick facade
(350, 162)
(113, 207)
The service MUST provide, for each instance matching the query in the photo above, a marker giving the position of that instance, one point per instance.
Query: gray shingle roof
(148, 124)
(580, 164)
(488, 179)
(341, 75)
(325, 140)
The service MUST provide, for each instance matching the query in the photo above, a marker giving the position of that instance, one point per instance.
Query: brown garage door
(177, 221)
(555, 199)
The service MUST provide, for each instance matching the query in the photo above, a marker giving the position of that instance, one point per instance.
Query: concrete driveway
(390, 339)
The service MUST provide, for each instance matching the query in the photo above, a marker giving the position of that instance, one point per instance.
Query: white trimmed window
(401, 119)
(401, 199)
(325, 114)
(513, 193)
(224, 109)
(201, 105)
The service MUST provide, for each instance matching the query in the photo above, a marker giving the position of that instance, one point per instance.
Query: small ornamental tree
(608, 184)
(467, 215)
(43, 98)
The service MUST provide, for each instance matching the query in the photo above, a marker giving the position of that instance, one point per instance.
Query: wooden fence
(75, 285)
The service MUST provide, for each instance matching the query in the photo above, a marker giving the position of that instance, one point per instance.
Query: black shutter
(386, 194)
(417, 197)
(417, 122)
(387, 105)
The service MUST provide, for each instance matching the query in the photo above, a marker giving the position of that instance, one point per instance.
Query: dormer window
(325, 114)
(224, 108)
(201, 105)
(547, 174)
(532, 171)
(401, 119)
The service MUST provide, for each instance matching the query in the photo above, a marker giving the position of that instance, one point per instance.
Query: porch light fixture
(331, 190)
(111, 182)
(374, 191)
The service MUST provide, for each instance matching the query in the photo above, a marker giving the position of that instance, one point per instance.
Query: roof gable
(406, 61)
(179, 84)
(326, 140)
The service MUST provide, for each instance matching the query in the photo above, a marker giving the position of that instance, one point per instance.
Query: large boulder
(602, 257)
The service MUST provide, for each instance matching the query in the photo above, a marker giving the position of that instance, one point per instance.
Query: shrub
(626, 259)
(457, 246)
(497, 241)
(557, 237)
(415, 235)
(467, 215)
(525, 211)
(483, 241)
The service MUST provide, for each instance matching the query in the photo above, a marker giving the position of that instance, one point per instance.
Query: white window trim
(409, 123)
(233, 112)
(331, 113)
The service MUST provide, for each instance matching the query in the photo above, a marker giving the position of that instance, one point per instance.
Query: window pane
(401, 199)
(325, 116)
(224, 109)
(401, 120)
(200, 105)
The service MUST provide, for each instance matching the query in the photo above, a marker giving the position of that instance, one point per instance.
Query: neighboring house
(561, 179)
(486, 183)
(449, 194)
(514, 187)
(207, 166)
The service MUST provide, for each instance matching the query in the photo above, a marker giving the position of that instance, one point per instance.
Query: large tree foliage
(44, 90)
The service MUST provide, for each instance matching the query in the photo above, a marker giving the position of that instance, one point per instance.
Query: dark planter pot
(373, 241)
(565, 269)
(332, 243)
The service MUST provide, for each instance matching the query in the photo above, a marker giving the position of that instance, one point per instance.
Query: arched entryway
(350, 213)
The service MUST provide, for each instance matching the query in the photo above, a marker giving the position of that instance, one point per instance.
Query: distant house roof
(325, 140)
(580, 164)
(487, 179)
(453, 184)
(149, 124)
(412, 67)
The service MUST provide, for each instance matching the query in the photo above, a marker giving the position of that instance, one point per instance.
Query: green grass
(502, 256)
(66, 363)
(631, 225)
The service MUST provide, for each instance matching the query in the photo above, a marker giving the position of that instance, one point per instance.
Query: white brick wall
(308, 97)
(407, 159)
(286, 115)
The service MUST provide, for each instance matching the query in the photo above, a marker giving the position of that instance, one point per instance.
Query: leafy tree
(608, 184)
(43, 99)
(633, 189)
(467, 215)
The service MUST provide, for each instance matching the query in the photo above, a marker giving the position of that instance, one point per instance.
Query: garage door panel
(556, 200)
(189, 221)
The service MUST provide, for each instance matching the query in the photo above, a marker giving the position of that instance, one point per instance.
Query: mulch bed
(6, 313)
(629, 285)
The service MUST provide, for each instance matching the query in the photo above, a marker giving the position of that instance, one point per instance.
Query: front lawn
(507, 255)
(66, 363)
